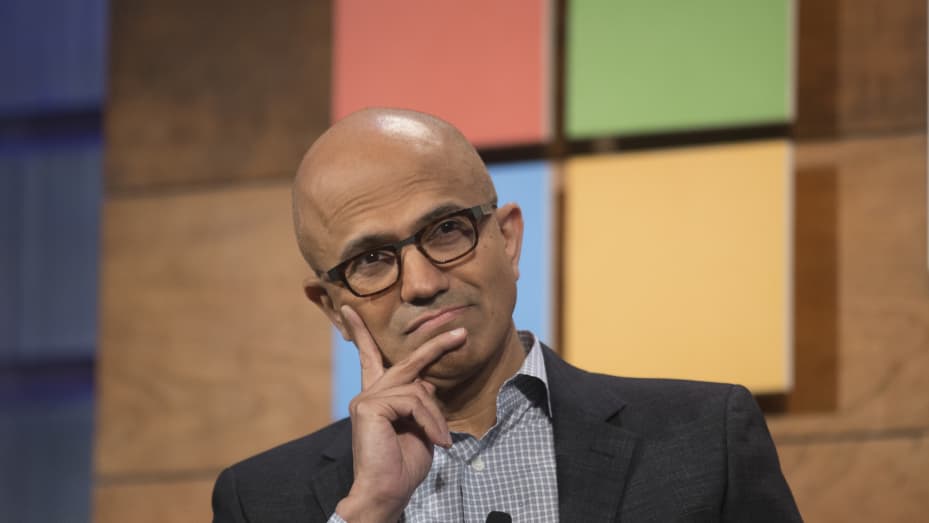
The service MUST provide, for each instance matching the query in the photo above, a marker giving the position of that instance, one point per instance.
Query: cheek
(498, 284)
(376, 315)
(498, 262)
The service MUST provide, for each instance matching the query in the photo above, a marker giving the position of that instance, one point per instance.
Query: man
(461, 416)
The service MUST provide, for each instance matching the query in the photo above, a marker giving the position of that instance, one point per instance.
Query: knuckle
(363, 408)
(358, 404)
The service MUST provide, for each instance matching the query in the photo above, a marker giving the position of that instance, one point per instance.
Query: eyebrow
(368, 242)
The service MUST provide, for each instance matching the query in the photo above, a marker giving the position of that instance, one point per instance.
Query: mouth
(433, 319)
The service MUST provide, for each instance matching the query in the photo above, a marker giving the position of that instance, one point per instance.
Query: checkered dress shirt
(510, 469)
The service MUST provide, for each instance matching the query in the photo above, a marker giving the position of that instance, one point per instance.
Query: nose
(420, 279)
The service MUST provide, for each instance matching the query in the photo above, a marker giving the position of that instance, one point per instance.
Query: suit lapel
(334, 478)
(593, 454)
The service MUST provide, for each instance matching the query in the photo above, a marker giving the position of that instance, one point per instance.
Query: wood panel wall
(213, 91)
(864, 457)
(209, 352)
(854, 440)
(861, 68)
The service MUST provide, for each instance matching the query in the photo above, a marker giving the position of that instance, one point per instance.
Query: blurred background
(727, 190)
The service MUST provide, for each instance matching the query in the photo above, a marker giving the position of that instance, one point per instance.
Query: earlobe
(510, 218)
(314, 290)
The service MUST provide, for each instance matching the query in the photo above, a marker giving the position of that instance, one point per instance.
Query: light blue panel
(529, 185)
(346, 374)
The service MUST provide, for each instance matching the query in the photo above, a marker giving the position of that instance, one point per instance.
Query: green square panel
(653, 66)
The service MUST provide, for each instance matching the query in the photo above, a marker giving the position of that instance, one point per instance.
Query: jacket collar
(593, 452)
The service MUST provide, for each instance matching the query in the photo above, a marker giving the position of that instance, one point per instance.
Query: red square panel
(481, 64)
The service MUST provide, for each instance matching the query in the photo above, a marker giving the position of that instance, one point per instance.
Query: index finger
(409, 368)
(372, 365)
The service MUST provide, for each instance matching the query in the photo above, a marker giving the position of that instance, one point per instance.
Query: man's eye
(449, 226)
(374, 257)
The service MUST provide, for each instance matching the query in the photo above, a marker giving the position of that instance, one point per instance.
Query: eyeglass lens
(442, 241)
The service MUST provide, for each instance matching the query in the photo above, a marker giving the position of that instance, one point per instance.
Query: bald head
(349, 168)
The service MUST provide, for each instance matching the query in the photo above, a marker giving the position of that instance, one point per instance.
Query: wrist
(357, 509)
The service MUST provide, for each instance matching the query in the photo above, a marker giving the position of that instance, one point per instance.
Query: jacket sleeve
(756, 489)
(226, 505)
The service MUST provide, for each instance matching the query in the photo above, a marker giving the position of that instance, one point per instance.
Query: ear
(510, 218)
(316, 291)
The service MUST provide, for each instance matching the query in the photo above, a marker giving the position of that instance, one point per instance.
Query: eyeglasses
(445, 240)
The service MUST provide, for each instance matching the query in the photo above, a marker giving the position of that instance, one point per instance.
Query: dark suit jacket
(625, 450)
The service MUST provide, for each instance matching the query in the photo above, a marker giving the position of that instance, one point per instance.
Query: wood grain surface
(881, 66)
(867, 480)
(882, 286)
(153, 502)
(816, 292)
(861, 67)
(817, 68)
(210, 91)
(209, 350)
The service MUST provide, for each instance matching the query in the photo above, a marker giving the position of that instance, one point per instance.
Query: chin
(449, 365)
(452, 367)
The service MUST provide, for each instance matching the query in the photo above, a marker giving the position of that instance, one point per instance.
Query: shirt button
(477, 464)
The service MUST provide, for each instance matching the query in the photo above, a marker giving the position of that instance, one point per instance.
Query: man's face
(387, 192)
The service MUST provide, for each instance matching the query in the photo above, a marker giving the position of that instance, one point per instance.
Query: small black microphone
(499, 517)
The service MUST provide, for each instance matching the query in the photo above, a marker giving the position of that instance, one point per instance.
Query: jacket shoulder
(659, 402)
(301, 455)
(649, 406)
(645, 403)
(276, 485)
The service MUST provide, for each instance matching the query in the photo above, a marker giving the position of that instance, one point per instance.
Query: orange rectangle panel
(678, 264)
(483, 65)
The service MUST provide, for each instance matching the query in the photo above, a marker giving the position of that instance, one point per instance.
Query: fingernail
(460, 331)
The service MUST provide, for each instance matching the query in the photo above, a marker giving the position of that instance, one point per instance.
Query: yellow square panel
(678, 264)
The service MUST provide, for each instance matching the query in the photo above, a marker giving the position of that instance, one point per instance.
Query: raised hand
(395, 423)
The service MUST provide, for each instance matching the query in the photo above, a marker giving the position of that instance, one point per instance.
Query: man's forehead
(363, 190)
(379, 167)
(397, 205)
(367, 169)
(386, 226)
(379, 213)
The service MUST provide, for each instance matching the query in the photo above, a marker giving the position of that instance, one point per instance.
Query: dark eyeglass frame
(474, 214)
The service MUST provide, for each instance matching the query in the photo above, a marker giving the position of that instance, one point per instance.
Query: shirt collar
(534, 364)
(530, 383)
